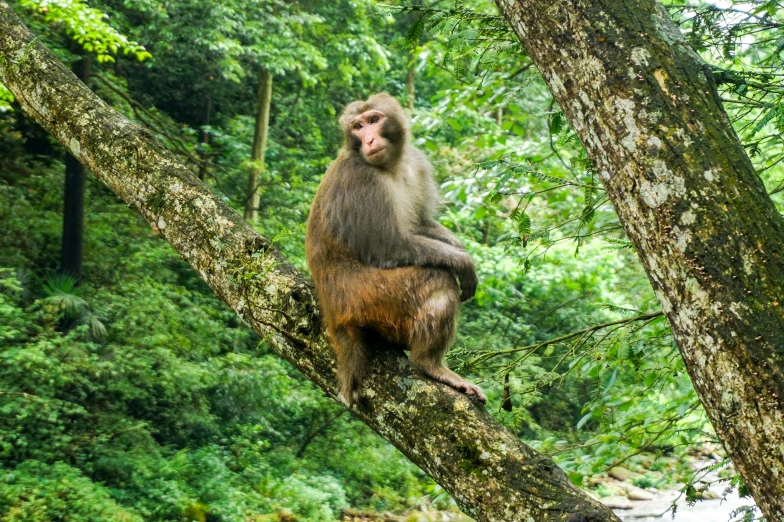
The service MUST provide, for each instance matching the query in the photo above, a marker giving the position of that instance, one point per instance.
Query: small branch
(20, 394)
(315, 433)
(580, 333)
(669, 422)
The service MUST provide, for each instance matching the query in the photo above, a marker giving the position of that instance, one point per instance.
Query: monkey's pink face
(367, 127)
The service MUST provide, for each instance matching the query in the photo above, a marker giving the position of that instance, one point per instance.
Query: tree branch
(555, 340)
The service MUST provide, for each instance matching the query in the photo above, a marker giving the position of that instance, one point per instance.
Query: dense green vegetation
(134, 394)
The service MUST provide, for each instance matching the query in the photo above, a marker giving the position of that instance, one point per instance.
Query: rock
(595, 480)
(709, 494)
(623, 474)
(635, 493)
(617, 502)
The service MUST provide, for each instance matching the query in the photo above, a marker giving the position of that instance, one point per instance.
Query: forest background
(129, 392)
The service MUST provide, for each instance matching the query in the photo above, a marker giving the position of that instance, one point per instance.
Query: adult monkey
(380, 261)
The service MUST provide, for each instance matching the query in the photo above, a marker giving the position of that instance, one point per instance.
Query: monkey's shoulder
(416, 157)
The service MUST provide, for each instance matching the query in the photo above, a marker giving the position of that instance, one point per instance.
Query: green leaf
(524, 224)
(585, 418)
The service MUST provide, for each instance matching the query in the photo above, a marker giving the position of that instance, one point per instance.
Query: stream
(717, 510)
(704, 511)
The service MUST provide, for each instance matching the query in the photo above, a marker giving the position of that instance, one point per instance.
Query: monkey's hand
(435, 230)
(466, 274)
(451, 240)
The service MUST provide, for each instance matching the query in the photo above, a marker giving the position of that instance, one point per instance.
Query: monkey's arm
(435, 230)
(428, 225)
(361, 214)
(386, 246)
(377, 242)
(420, 250)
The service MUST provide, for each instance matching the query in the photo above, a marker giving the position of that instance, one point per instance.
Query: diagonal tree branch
(489, 472)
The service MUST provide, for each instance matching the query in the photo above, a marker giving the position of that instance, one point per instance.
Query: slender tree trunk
(645, 106)
(491, 474)
(263, 103)
(73, 199)
(411, 78)
(412, 63)
(204, 137)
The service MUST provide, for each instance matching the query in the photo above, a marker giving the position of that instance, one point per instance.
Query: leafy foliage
(176, 410)
(6, 98)
(88, 28)
(137, 395)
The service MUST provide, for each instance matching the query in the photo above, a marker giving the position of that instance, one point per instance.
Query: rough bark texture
(489, 472)
(711, 241)
(263, 104)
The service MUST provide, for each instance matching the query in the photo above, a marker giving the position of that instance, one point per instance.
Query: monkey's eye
(374, 119)
(357, 126)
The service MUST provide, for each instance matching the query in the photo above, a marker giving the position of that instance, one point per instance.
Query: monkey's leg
(352, 361)
(432, 335)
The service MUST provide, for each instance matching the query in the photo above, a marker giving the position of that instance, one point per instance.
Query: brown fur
(380, 261)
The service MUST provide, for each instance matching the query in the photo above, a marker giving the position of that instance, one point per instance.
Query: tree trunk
(263, 103)
(411, 78)
(489, 472)
(646, 108)
(204, 137)
(73, 199)
(412, 57)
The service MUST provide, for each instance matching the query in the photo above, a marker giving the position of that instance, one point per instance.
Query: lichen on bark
(711, 241)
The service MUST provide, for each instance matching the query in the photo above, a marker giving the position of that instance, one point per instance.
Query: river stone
(709, 494)
(617, 502)
(622, 474)
(635, 493)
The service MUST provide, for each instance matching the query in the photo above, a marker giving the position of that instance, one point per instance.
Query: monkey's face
(369, 130)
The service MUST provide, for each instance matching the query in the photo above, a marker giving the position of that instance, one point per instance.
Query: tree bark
(646, 109)
(263, 104)
(485, 467)
(73, 200)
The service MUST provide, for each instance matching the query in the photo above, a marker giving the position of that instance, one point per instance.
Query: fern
(414, 33)
(620, 309)
(523, 224)
(775, 112)
(618, 244)
(62, 291)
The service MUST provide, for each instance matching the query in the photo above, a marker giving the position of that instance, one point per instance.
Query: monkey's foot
(452, 379)
(472, 390)
(349, 397)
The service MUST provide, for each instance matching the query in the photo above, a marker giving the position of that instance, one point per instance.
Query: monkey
(381, 263)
